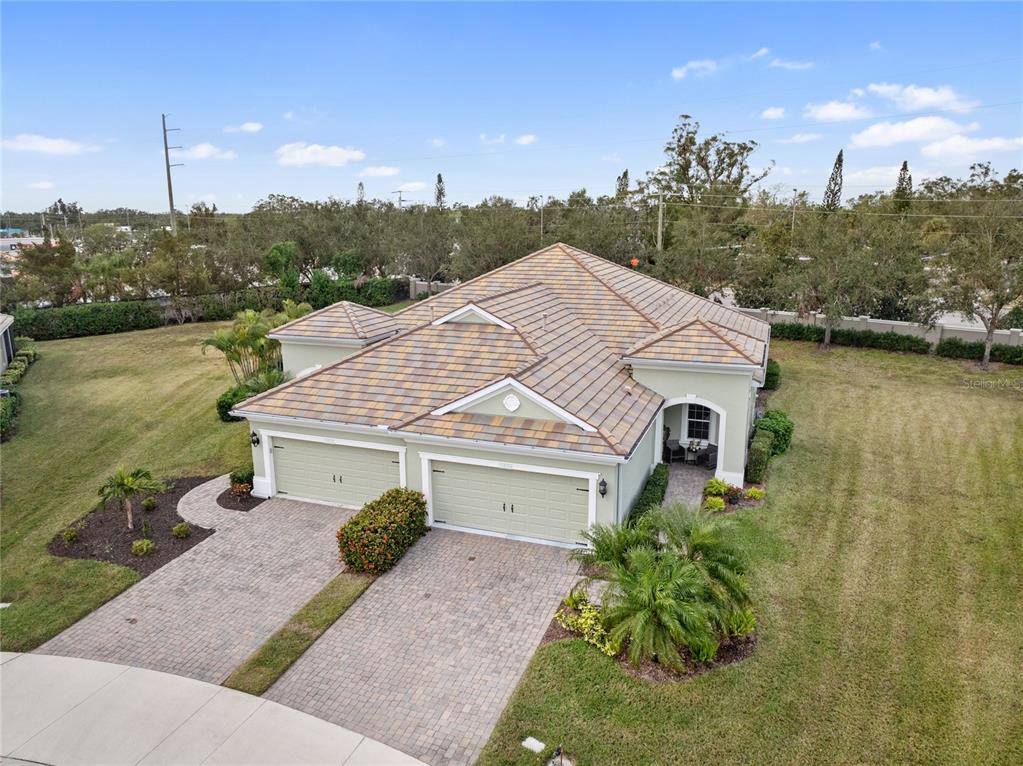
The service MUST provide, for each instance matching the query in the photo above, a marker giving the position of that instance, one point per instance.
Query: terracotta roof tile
(343, 321)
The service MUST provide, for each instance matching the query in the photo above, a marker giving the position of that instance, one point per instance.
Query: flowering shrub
(588, 622)
(375, 539)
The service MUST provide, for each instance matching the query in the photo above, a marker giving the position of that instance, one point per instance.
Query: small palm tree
(656, 603)
(123, 486)
(610, 543)
(264, 380)
(708, 542)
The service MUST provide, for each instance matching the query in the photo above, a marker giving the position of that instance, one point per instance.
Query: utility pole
(795, 196)
(399, 193)
(541, 221)
(660, 221)
(168, 166)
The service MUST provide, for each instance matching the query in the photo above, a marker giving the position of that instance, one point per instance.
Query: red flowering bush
(375, 538)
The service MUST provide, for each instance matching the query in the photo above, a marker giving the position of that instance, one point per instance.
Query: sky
(309, 99)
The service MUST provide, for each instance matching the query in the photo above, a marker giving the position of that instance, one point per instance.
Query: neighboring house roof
(6, 320)
(559, 323)
(340, 321)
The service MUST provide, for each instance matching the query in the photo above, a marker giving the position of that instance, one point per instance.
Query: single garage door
(513, 502)
(331, 473)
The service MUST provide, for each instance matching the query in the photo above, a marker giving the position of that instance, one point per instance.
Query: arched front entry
(687, 424)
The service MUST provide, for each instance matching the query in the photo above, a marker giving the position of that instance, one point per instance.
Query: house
(7, 348)
(532, 401)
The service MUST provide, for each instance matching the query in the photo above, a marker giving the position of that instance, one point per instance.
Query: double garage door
(513, 502)
(331, 473)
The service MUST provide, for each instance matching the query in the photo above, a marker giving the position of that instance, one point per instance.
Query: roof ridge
(617, 294)
(478, 277)
(666, 332)
(301, 318)
(667, 284)
(353, 320)
(710, 325)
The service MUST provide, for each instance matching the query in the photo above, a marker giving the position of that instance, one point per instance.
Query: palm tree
(708, 542)
(656, 602)
(123, 486)
(609, 543)
(246, 344)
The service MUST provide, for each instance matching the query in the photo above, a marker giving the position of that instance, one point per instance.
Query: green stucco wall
(301, 356)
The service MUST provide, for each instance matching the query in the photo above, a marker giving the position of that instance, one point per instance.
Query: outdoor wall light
(602, 487)
(254, 439)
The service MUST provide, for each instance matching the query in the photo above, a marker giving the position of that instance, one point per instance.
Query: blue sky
(309, 99)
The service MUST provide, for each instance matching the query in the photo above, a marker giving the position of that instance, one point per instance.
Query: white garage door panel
(523, 503)
(332, 473)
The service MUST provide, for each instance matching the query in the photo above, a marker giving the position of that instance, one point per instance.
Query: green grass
(888, 571)
(280, 651)
(141, 399)
(395, 307)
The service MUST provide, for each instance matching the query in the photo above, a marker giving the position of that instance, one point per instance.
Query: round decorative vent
(511, 402)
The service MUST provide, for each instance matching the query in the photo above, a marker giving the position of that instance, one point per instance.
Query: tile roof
(700, 340)
(573, 317)
(340, 321)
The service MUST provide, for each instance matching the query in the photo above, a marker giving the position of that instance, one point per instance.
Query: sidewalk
(64, 710)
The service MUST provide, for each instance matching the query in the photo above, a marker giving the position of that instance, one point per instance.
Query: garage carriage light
(254, 439)
(602, 486)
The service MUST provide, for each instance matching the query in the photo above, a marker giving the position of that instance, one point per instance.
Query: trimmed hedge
(8, 414)
(780, 425)
(82, 319)
(653, 491)
(954, 348)
(772, 376)
(375, 538)
(888, 341)
(227, 400)
(760, 451)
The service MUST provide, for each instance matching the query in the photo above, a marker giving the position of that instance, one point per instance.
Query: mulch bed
(232, 502)
(103, 534)
(733, 650)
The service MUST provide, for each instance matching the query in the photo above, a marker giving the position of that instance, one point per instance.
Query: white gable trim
(472, 308)
(527, 392)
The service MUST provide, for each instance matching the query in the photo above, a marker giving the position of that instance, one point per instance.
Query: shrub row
(955, 348)
(892, 341)
(781, 427)
(376, 292)
(653, 491)
(889, 341)
(25, 355)
(227, 400)
(81, 319)
(760, 451)
(375, 538)
(8, 414)
(772, 376)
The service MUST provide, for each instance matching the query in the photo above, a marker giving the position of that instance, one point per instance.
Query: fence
(417, 287)
(933, 334)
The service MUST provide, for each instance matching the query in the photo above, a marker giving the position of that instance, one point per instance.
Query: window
(698, 422)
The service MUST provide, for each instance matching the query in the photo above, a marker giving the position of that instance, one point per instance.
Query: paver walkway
(203, 613)
(66, 710)
(685, 483)
(428, 656)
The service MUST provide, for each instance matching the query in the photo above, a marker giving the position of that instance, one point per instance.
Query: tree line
(703, 220)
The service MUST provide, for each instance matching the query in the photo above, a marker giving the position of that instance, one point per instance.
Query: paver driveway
(427, 657)
(203, 613)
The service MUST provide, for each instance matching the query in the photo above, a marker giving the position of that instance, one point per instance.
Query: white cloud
(412, 186)
(961, 147)
(794, 66)
(379, 171)
(835, 110)
(206, 151)
(245, 127)
(289, 116)
(301, 153)
(880, 176)
(800, 138)
(918, 129)
(30, 142)
(915, 98)
(699, 68)
(526, 140)
(437, 142)
(773, 113)
(760, 53)
(486, 141)
(875, 46)
(858, 92)
(41, 185)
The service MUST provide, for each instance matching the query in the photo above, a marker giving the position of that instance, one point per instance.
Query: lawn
(141, 399)
(889, 573)
(279, 652)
